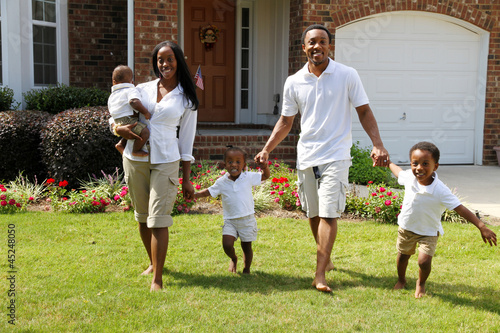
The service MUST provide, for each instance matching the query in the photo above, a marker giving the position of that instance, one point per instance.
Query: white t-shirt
(424, 205)
(324, 103)
(172, 111)
(118, 101)
(237, 198)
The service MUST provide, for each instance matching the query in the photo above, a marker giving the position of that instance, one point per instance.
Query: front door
(217, 60)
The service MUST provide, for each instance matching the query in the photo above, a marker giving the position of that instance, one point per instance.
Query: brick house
(431, 68)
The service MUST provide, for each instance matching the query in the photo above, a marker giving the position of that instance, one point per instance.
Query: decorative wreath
(209, 35)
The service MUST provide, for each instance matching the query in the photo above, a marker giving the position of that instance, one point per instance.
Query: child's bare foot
(155, 287)
(400, 285)
(321, 286)
(148, 270)
(420, 290)
(329, 266)
(140, 153)
(120, 148)
(232, 265)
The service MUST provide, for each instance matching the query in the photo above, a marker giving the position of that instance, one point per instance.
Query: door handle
(403, 117)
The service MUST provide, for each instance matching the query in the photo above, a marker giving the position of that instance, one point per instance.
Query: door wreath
(209, 35)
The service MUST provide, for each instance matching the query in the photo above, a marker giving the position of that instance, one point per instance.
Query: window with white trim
(44, 42)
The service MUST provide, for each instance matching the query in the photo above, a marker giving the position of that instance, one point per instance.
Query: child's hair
(231, 148)
(122, 74)
(430, 147)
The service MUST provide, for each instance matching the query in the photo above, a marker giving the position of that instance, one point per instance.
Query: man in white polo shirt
(323, 92)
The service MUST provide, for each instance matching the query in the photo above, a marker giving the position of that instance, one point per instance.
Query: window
(44, 42)
(245, 57)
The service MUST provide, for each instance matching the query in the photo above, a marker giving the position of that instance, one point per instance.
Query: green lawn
(81, 273)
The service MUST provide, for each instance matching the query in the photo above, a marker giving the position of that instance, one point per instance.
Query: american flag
(199, 78)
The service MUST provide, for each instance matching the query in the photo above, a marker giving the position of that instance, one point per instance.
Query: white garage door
(421, 75)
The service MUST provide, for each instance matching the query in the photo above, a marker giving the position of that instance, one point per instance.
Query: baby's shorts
(324, 196)
(127, 120)
(407, 242)
(243, 227)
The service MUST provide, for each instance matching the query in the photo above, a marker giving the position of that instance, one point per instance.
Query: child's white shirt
(424, 205)
(119, 100)
(237, 198)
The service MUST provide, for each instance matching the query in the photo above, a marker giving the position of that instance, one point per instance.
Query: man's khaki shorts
(324, 196)
(407, 242)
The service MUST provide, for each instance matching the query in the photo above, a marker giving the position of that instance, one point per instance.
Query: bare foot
(399, 285)
(232, 265)
(139, 153)
(148, 270)
(155, 287)
(120, 148)
(321, 286)
(246, 270)
(420, 290)
(329, 266)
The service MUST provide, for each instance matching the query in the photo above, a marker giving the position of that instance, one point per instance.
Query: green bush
(20, 137)
(362, 170)
(6, 98)
(59, 98)
(77, 143)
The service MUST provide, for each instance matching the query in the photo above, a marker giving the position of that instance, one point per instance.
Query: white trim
(4, 50)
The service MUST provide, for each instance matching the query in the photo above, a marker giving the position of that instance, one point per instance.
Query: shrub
(20, 137)
(6, 98)
(59, 98)
(76, 143)
(362, 170)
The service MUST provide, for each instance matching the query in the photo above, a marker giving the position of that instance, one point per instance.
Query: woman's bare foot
(420, 290)
(140, 153)
(321, 286)
(232, 265)
(329, 266)
(148, 270)
(399, 285)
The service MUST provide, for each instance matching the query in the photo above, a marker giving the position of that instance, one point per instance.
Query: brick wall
(97, 36)
(482, 13)
(155, 21)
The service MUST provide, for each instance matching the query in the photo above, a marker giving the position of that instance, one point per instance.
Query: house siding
(482, 13)
(97, 36)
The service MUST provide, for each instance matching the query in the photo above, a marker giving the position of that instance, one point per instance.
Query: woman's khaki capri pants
(152, 189)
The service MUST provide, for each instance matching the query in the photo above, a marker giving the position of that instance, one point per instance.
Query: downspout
(130, 34)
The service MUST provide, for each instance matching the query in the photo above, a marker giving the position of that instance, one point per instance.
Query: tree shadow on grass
(256, 282)
(481, 298)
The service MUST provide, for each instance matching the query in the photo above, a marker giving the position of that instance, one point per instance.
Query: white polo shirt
(237, 198)
(424, 205)
(172, 111)
(324, 103)
(119, 100)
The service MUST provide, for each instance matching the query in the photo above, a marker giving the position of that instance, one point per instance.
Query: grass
(81, 273)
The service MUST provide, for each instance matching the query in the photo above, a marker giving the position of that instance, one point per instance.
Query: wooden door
(217, 62)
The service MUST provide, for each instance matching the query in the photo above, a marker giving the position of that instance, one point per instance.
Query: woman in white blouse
(153, 180)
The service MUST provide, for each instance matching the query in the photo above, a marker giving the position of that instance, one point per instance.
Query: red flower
(382, 189)
(388, 202)
(12, 202)
(51, 181)
(3, 203)
(370, 182)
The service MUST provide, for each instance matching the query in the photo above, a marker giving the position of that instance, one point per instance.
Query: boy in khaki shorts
(426, 198)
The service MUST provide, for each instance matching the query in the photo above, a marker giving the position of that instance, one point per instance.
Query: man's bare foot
(399, 285)
(140, 153)
(321, 286)
(155, 287)
(120, 148)
(246, 270)
(232, 265)
(420, 290)
(148, 270)
(329, 266)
